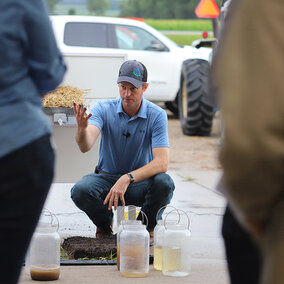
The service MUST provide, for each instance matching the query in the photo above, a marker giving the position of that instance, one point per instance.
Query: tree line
(160, 9)
(95, 7)
(154, 9)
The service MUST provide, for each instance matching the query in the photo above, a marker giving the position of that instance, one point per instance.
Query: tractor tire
(173, 107)
(196, 116)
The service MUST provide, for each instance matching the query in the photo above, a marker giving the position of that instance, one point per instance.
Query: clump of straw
(64, 96)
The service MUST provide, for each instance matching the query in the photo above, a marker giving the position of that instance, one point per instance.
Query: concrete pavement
(198, 198)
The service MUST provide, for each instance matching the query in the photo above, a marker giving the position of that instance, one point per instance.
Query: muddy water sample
(45, 273)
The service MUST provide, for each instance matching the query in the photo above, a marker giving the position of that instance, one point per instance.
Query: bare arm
(159, 164)
(86, 134)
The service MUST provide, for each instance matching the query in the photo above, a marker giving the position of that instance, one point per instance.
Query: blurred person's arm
(250, 74)
(45, 62)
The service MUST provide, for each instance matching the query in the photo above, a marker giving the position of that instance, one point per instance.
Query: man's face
(131, 96)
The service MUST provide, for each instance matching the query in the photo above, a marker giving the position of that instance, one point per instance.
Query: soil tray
(83, 247)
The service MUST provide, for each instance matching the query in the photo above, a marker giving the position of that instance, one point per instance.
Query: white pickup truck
(177, 74)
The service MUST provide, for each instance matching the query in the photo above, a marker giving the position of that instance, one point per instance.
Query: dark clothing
(243, 256)
(30, 66)
(25, 178)
(249, 74)
(151, 194)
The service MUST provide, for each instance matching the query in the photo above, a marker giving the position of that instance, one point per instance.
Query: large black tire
(172, 106)
(196, 116)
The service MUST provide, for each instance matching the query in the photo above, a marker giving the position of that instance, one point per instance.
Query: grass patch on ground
(184, 39)
(63, 254)
(190, 179)
(180, 25)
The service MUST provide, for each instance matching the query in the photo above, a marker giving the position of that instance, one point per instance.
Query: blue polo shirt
(127, 142)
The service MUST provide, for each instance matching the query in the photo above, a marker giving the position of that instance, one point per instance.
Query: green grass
(180, 25)
(184, 39)
(63, 254)
(190, 179)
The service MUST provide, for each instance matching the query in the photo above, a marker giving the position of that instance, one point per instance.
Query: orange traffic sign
(207, 9)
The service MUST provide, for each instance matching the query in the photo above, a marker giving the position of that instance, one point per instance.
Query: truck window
(129, 37)
(85, 34)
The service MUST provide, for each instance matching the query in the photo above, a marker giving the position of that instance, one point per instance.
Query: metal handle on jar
(52, 217)
(179, 210)
(144, 215)
(175, 209)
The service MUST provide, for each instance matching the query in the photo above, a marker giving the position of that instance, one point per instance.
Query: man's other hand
(117, 192)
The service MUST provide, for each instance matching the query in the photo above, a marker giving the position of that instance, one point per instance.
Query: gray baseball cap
(134, 72)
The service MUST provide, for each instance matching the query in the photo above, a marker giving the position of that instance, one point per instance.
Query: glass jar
(159, 231)
(134, 251)
(119, 230)
(44, 253)
(176, 251)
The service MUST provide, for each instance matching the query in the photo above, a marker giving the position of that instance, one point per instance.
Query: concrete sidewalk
(198, 197)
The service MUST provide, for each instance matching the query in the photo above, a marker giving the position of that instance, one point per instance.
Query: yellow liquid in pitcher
(158, 258)
(171, 258)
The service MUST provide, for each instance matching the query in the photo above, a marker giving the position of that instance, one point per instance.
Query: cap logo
(137, 72)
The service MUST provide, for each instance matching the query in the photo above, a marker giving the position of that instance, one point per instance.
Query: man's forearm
(158, 165)
(84, 140)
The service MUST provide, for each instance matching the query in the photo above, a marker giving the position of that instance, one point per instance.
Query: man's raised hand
(81, 116)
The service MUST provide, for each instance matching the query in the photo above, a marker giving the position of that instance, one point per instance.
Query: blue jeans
(25, 178)
(151, 194)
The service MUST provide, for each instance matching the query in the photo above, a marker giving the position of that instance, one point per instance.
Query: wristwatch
(132, 179)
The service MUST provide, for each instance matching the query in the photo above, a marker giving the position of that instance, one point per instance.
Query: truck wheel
(196, 116)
